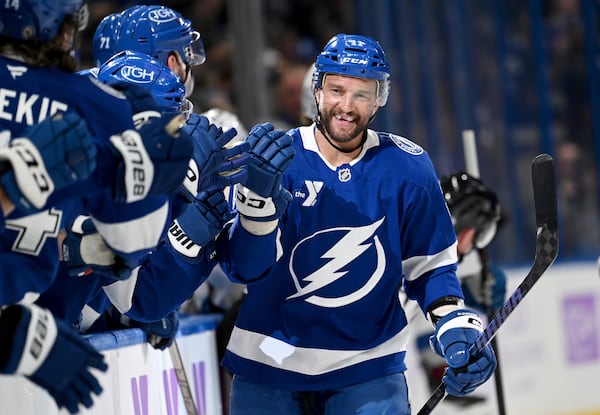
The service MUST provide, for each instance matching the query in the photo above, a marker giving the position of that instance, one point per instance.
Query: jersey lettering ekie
(322, 309)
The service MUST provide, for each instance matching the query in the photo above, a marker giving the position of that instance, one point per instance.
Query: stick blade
(544, 191)
(546, 216)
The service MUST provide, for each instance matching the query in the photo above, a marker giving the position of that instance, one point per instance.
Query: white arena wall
(549, 350)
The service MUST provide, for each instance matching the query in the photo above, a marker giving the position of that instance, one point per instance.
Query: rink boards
(141, 380)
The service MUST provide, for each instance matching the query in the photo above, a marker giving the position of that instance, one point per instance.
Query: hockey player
(37, 82)
(322, 323)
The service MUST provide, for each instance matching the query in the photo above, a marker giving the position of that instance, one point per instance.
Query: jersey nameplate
(24, 108)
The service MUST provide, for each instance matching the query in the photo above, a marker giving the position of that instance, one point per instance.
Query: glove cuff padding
(33, 338)
(459, 319)
(454, 333)
(28, 184)
(182, 242)
(137, 167)
(257, 208)
(200, 223)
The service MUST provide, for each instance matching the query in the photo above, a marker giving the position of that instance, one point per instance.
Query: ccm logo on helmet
(357, 61)
(162, 15)
(137, 75)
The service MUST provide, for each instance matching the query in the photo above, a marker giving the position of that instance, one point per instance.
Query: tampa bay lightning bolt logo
(341, 258)
(407, 145)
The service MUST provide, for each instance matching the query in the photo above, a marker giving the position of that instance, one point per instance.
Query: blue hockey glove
(152, 160)
(51, 155)
(159, 334)
(85, 252)
(454, 334)
(261, 209)
(271, 153)
(216, 162)
(485, 292)
(51, 354)
(200, 223)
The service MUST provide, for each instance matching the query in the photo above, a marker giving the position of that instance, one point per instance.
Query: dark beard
(357, 131)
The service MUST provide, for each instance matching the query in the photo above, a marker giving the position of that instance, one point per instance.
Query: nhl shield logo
(344, 175)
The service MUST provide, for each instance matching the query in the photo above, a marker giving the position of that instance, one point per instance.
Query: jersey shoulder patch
(404, 144)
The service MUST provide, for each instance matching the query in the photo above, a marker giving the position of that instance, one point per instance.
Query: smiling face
(346, 105)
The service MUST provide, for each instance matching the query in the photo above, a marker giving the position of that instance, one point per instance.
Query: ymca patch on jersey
(310, 193)
(407, 145)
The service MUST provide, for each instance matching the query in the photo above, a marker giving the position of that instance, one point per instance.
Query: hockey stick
(546, 251)
(182, 379)
(472, 166)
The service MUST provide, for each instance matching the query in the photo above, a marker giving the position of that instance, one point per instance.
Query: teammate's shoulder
(94, 86)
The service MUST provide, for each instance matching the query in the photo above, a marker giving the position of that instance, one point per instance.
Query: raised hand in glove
(51, 155)
(271, 153)
(200, 223)
(216, 161)
(454, 335)
(50, 354)
(85, 252)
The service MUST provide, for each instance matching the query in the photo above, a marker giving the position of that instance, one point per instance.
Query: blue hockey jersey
(28, 245)
(322, 309)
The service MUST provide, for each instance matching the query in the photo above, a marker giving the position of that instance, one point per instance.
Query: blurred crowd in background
(530, 79)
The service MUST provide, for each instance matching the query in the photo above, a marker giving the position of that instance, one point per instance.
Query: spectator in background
(287, 94)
